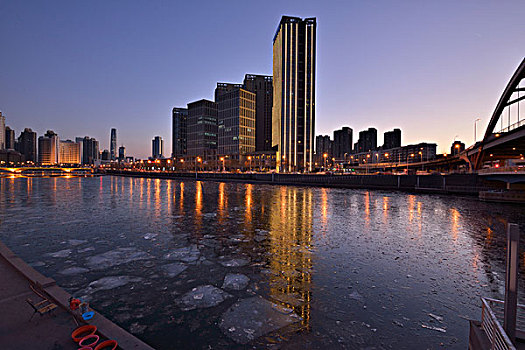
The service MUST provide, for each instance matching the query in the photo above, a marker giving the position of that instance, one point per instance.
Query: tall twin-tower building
(293, 114)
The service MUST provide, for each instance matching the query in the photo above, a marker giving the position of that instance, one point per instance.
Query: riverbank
(466, 184)
(18, 331)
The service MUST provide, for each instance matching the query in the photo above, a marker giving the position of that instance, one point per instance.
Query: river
(318, 268)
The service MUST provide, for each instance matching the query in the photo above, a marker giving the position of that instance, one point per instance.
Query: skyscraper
(293, 116)
(236, 121)
(202, 129)
(2, 131)
(157, 145)
(90, 150)
(342, 142)
(323, 145)
(392, 139)
(9, 138)
(27, 145)
(262, 86)
(122, 153)
(113, 144)
(179, 135)
(69, 152)
(48, 148)
(367, 140)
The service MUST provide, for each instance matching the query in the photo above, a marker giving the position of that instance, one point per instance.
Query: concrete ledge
(105, 327)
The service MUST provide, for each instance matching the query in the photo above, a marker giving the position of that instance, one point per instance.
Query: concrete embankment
(469, 184)
(18, 331)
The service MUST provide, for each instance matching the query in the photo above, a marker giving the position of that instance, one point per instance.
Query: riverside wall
(468, 184)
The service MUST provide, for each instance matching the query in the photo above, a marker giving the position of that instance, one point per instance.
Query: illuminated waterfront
(361, 268)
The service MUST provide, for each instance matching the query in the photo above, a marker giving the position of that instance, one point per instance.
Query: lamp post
(325, 155)
(198, 159)
(475, 133)
(222, 160)
(250, 163)
(408, 156)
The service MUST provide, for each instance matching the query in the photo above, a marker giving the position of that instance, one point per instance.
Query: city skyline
(422, 67)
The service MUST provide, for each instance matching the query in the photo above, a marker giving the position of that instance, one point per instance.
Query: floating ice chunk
(174, 269)
(73, 271)
(116, 257)
(253, 317)
(187, 254)
(436, 317)
(442, 330)
(234, 262)
(356, 296)
(110, 282)
(75, 242)
(235, 281)
(60, 254)
(202, 297)
(150, 235)
(136, 328)
(88, 249)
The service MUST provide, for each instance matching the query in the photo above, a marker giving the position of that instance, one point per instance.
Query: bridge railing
(512, 127)
(491, 314)
(509, 169)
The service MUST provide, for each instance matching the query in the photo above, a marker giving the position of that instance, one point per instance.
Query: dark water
(362, 269)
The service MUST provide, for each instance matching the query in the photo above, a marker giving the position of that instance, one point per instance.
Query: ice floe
(251, 318)
(235, 281)
(202, 297)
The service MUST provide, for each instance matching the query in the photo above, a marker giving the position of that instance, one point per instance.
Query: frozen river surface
(208, 265)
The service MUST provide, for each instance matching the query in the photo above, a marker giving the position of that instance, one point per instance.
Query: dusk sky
(82, 67)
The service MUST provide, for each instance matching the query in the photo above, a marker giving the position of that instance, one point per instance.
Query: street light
(222, 160)
(325, 156)
(475, 133)
(411, 155)
(250, 160)
(198, 159)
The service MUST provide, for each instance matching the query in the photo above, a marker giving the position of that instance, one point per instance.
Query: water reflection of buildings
(290, 257)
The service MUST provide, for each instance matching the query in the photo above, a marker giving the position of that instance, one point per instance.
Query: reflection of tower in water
(289, 251)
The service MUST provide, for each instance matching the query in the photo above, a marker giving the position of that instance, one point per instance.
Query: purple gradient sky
(83, 67)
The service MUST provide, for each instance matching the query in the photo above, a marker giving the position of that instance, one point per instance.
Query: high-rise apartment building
(342, 143)
(367, 141)
(179, 134)
(392, 139)
(202, 129)
(27, 145)
(323, 145)
(113, 144)
(293, 115)
(157, 147)
(2, 131)
(122, 153)
(69, 152)
(48, 148)
(236, 120)
(80, 141)
(9, 138)
(90, 150)
(262, 86)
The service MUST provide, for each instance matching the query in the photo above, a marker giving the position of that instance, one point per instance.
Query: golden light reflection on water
(198, 205)
(223, 203)
(289, 251)
(248, 206)
(454, 220)
(158, 204)
(168, 195)
(411, 205)
(324, 206)
(181, 199)
(386, 208)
